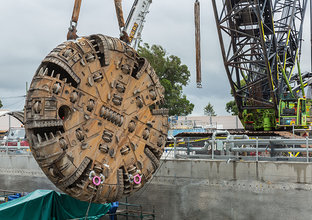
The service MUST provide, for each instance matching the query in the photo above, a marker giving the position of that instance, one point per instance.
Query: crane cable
(121, 22)
(72, 30)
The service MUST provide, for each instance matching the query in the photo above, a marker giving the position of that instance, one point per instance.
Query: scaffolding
(133, 211)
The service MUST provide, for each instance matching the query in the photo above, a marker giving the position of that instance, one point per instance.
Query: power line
(9, 105)
(13, 97)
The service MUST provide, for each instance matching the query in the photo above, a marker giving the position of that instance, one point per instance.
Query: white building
(208, 122)
(6, 121)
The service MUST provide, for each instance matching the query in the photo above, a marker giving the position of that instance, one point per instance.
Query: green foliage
(1, 104)
(231, 107)
(208, 110)
(173, 75)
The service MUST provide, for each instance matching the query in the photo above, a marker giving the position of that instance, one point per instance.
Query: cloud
(31, 28)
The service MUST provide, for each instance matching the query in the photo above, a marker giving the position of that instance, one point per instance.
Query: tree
(231, 107)
(208, 110)
(1, 104)
(173, 75)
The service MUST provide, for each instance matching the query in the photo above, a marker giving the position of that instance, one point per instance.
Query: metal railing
(240, 147)
(4, 194)
(133, 211)
(15, 150)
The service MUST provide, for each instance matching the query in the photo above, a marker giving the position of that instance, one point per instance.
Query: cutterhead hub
(92, 118)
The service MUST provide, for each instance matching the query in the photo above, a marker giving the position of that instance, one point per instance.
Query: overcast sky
(30, 29)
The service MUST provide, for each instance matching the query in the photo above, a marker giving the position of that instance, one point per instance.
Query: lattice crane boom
(260, 43)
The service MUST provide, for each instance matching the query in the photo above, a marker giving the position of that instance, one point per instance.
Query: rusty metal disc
(92, 118)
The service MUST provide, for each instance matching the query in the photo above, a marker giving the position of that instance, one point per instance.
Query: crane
(130, 31)
(261, 48)
(135, 21)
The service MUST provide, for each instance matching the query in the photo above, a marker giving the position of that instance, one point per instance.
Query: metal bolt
(107, 136)
(79, 135)
(37, 107)
(87, 117)
(111, 152)
(82, 62)
(118, 119)
(146, 134)
(103, 111)
(63, 143)
(139, 102)
(160, 141)
(103, 148)
(73, 97)
(153, 94)
(114, 117)
(90, 105)
(124, 150)
(97, 168)
(129, 52)
(121, 120)
(97, 77)
(125, 69)
(90, 81)
(120, 88)
(132, 169)
(109, 115)
(68, 52)
(136, 91)
(84, 146)
(56, 88)
(116, 101)
(90, 57)
(131, 126)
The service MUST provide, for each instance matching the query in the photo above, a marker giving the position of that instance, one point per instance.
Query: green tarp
(50, 205)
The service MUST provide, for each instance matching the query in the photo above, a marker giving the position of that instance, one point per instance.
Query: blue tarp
(174, 132)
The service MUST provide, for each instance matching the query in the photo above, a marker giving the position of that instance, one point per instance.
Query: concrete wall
(201, 189)
(21, 173)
